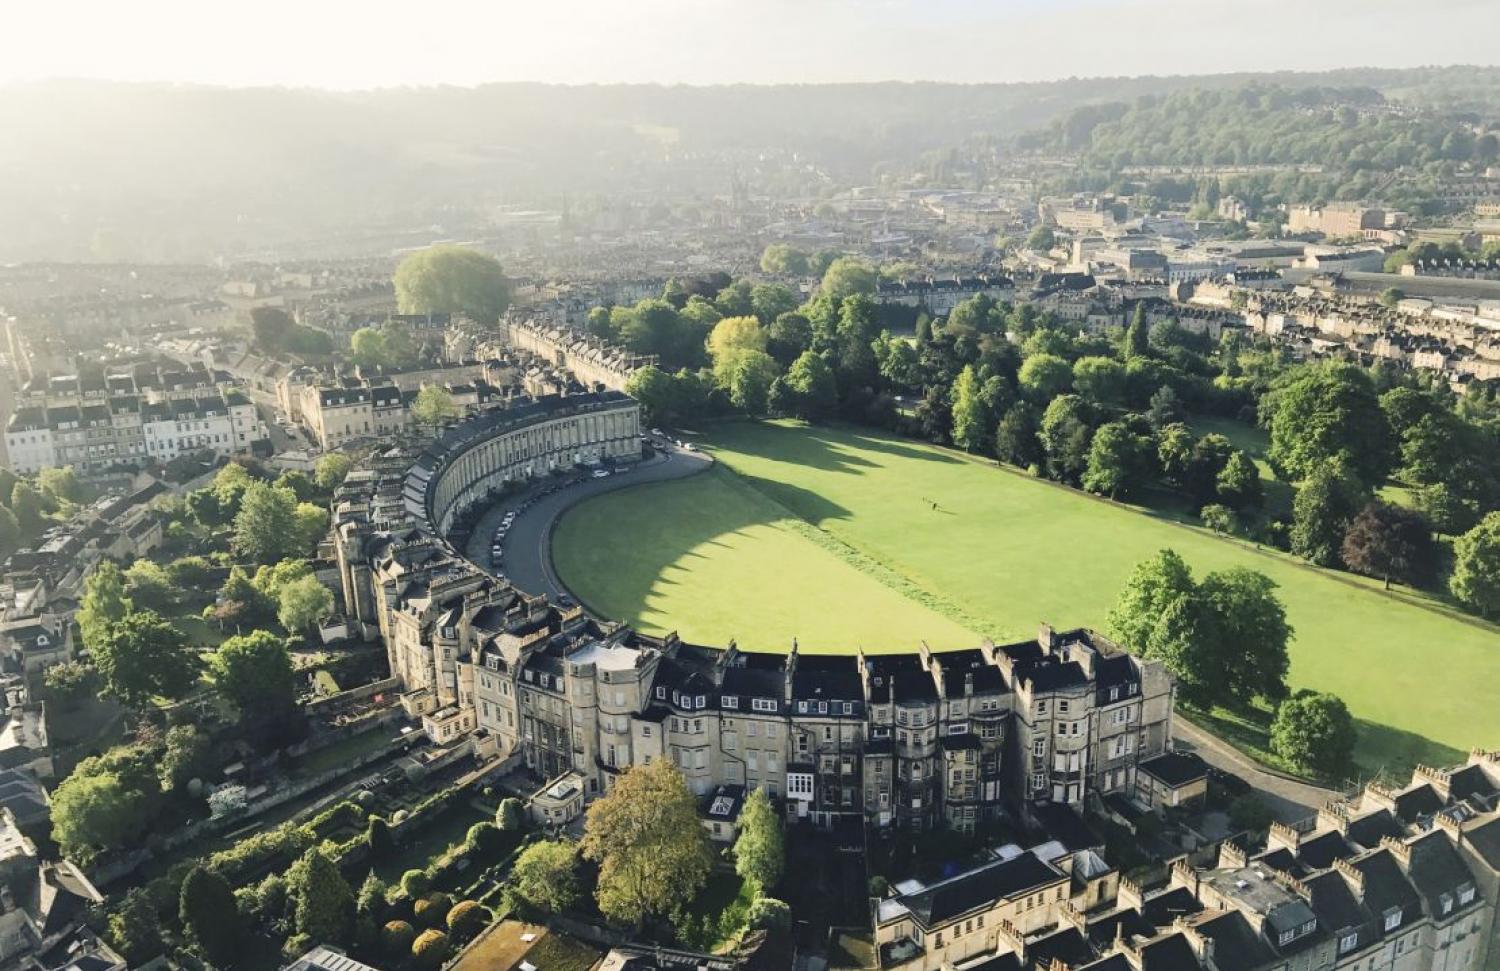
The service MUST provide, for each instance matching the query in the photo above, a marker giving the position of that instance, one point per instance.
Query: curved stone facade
(912, 739)
(475, 458)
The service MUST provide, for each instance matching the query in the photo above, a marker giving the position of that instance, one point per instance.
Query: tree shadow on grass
(831, 448)
(1387, 753)
(619, 572)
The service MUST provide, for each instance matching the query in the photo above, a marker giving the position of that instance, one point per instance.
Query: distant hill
(98, 170)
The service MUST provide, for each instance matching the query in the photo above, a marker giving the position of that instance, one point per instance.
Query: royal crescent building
(916, 738)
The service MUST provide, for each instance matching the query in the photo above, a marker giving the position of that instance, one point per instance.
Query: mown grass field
(829, 534)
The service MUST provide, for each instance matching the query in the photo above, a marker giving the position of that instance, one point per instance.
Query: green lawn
(722, 556)
(716, 561)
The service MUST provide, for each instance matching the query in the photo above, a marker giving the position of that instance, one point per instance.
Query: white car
(601, 473)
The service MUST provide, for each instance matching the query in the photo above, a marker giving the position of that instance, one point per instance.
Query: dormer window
(1348, 943)
(661, 694)
(1466, 895)
(1393, 918)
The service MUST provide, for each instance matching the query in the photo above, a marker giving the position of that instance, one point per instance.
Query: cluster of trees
(1343, 132)
(1224, 638)
(653, 859)
(387, 347)
(275, 332)
(452, 280)
(1339, 436)
(270, 521)
(781, 259)
(29, 506)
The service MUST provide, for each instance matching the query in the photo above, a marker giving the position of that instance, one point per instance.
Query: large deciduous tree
(433, 406)
(813, 386)
(143, 655)
(545, 876)
(104, 603)
(1329, 415)
(1120, 460)
(1252, 632)
(1225, 639)
(652, 852)
(266, 528)
(254, 672)
(304, 603)
(452, 280)
(1476, 566)
(1326, 503)
(1389, 542)
(848, 276)
(971, 419)
(1314, 732)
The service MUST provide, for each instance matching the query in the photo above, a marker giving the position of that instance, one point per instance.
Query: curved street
(528, 565)
(528, 544)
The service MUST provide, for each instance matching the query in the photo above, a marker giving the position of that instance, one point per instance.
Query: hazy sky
(372, 43)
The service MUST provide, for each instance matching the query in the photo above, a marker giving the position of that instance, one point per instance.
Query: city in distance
(938, 487)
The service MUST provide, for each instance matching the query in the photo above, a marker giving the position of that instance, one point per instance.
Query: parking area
(513, 539)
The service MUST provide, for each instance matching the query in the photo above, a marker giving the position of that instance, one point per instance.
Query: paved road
(528, 544)
(528, 564)
(1288, 799)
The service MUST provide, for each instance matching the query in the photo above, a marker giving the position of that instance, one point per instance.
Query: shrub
(415, 883)
(398, 936)
(484, 839)
(378, 835)
(431, 909)
(768, 913)
(878, 886)
(430, 949)
(511, 815)
(467, 919)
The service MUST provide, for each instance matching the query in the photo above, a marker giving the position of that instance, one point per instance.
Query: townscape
(1050, 526)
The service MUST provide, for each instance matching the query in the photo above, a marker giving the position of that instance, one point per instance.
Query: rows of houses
(906, 739)
(130, 419)
(1394, 879)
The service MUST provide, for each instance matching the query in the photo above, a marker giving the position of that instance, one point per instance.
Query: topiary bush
(431, 910)
(398, 936)
(467, 919)
(511, 815)
(430, 949)
(484, 839)
(415, 883)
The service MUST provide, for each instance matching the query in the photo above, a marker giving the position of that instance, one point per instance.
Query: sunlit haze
(350, 44)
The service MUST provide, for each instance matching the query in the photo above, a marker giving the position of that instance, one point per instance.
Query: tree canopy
(452, 280)
(254, 672)
(652, 852)
(142, 656)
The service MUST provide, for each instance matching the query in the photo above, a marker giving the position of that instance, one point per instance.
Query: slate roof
(1237, 947)
(1367, 830)
(1320, 851)
(1066, 944)
(1386, 888)
(981, 886)
(1485, 839)
(1175, 768)
(1170, 953)
(1437, 871)
(1162, 909)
